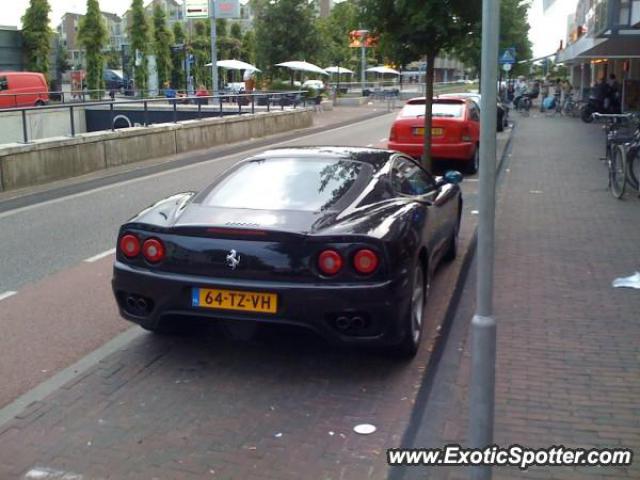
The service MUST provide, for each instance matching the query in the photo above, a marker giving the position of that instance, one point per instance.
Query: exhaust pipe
(131, 302)
(358, 323)
(141, 304)
(343, 323)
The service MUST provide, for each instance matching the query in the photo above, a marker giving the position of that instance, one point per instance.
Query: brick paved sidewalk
(568, 343)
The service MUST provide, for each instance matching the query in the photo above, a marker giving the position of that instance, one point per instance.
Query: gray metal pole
(214, 52)
(363, 64)
(483, 325)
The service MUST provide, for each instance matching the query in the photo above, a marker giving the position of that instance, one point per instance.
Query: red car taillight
(129, 245)
(365, 261)
(466, 134)
(329, 262)
(393, 134)
(153, 250)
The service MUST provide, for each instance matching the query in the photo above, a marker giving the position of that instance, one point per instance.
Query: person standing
(614, 94)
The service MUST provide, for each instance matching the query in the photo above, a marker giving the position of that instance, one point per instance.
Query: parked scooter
(594, 105)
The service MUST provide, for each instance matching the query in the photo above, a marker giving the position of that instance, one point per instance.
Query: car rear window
(440, 109)
(311, 184)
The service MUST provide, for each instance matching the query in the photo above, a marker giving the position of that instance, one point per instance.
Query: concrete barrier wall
(40, 124)
(58, 158)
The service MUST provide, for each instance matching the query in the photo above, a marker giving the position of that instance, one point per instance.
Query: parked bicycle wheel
(633, 169)
(618, 171)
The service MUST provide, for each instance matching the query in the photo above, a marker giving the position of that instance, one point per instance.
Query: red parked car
(23, 89)
(455, 130)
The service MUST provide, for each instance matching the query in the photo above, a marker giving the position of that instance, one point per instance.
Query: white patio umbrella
(235, 65)
(338, 70)
(302, 67)
(383, 70)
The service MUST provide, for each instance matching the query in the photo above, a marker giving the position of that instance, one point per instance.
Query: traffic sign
(196, 8)
(508, 56)
(506, 67)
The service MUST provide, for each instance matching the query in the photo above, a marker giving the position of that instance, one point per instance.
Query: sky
(544, 42)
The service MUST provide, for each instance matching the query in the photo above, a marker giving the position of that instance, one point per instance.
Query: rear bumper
(316, 306)
(449, 151)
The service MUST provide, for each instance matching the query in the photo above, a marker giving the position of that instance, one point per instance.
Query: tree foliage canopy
(92, 35)
(162, 39)
(139, 38)
(514, 32)
(285, 30)
(36, 35)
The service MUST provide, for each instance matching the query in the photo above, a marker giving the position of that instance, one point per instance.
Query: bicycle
(618, 134)
(628, 163)
(570, 107)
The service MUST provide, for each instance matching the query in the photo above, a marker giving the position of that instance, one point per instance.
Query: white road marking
(97, 257)
(242, 154)
(7, 294)
(383, 139)
(370, 145)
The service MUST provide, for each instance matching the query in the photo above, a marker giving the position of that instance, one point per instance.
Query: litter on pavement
(364, 429)
(630, 282)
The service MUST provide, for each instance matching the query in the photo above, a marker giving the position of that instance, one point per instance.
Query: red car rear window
(440, 109)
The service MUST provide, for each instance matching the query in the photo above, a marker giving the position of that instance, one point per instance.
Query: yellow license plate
(234, 300)
(436, 132)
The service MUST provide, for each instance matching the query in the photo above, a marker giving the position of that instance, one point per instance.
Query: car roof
(376, 157)
(439, 99)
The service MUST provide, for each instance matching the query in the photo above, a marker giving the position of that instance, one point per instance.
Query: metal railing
(199, 104)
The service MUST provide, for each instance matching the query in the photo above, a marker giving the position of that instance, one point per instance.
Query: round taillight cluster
(330, 262)
(365, 262)
(152, 249)
(130, 245)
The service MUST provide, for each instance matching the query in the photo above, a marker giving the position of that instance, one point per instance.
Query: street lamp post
(483, 325)
(363, 57)
(214, 52)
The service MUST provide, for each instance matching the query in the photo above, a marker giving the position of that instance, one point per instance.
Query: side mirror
(452, 176)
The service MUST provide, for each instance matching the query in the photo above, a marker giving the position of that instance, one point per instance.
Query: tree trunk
(427, 160)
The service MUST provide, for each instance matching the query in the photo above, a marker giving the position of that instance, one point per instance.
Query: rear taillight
(393, 134)
(466, 134)
(329, 262)
(129, 245)
(153, 250)
(365, 261)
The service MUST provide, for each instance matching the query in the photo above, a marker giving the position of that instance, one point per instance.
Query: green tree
(113, 59)
(92, 35)
(36, 36)
(139, 38)
(236, 31)
(514, 32)
(285, 30)
(201, 49)
(162, 40)
(177, 57)
(334, 35)
(248, 47)
(424, 28)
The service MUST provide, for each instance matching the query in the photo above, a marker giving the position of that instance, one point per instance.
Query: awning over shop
(587, 48)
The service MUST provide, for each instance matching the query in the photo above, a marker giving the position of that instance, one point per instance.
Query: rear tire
(39, 103)
(633, 170)
(452, 249)
(474, 162)
(586, 114)
(414, 322)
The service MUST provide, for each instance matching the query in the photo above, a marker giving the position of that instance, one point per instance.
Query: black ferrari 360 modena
(340, 240)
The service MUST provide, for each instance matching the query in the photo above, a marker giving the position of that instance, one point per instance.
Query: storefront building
(604, 38)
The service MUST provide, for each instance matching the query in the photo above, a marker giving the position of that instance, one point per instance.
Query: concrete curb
(426, 386)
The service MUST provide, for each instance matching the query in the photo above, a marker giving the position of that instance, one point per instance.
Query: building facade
(604, 39)
(10, 49)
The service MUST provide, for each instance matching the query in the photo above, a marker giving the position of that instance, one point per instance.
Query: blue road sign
(508, 56)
